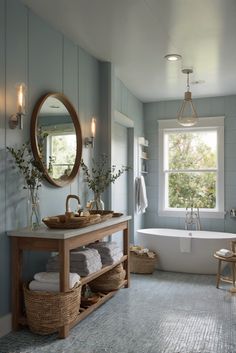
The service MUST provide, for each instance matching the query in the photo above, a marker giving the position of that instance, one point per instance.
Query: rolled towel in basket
(224, 253)
(54, 277)
(44, 286)
(49, 282)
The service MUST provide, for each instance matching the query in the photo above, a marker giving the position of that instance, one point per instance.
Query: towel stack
(49, 281)
(109, 252)
(224, 253)
(83, 261)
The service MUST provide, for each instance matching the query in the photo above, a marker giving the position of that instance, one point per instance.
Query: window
(191, 167)
(62, 150)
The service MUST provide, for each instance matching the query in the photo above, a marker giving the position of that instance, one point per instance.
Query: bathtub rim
(182, 233)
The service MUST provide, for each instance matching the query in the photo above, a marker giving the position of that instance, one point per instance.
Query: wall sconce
(89, 141)
(17, 118)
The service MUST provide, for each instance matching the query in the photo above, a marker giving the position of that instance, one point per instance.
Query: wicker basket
(48, 311)
(142, 263)
(60, 221)
(71, 221)
(105, 215)
(109, 281)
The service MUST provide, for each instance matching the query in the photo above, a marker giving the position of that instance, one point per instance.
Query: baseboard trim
(5, 325)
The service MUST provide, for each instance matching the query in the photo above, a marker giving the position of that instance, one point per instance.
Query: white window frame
(216, 123)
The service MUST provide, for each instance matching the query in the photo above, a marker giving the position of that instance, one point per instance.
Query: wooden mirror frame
(34, 142)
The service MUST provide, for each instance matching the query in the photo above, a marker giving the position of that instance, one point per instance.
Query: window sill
(182, 214)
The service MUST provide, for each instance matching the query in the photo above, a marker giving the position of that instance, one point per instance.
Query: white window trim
(172, 124)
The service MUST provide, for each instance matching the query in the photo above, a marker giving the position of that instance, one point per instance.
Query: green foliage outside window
(195, 152)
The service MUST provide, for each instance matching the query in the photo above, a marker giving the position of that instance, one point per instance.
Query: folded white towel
(84, 254)
(82, 268)
(54, 277)
(43, 286)
(185, 244)
(107, 244)
(224, 253)
(109, 260)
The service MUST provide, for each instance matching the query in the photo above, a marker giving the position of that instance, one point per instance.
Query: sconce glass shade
(17, 118)
(21, 90)
(89, 141)
(93, 127)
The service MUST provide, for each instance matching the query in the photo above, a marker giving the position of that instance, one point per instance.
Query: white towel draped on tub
(140, 195)
(185, 244)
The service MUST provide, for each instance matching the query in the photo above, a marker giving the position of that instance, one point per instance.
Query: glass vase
(97, 203)
(34, 216)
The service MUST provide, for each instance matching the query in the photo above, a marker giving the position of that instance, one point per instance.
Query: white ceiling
(135, 35)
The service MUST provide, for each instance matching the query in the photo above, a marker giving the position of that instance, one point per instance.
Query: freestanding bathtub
(185, 250)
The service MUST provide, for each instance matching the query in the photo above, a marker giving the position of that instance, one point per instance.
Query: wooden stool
(231, 260)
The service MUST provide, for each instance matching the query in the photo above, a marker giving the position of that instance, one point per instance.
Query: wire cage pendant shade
(187, 115)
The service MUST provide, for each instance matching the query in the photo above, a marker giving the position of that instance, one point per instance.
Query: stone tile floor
(161, 313)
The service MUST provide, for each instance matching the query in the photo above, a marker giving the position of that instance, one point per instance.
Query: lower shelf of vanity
(84, 312)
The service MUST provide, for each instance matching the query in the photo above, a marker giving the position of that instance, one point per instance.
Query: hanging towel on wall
(140, 195)
(185, 244)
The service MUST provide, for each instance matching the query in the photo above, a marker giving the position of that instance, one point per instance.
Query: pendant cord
(188, 87)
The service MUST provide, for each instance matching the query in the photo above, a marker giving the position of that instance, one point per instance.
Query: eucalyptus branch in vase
(100, 177)
(28, 168)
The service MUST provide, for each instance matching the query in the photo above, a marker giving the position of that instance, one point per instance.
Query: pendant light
(187, 115)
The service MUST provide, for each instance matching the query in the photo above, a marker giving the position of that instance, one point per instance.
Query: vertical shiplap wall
(215, 106)
(126, 103)
(46, 61)
(89, 106)
(4, 245)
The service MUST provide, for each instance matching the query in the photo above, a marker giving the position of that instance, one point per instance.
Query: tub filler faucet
(192, 219)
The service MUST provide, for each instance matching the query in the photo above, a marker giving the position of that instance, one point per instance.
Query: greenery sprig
(27, 165)
(101, 175)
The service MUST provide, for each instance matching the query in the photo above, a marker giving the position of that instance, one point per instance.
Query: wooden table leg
(233, 273)
(126, 252)
(17, 295)
(64, 259)
(218, 274)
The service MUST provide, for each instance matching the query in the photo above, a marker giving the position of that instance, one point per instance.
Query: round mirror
(56, 138)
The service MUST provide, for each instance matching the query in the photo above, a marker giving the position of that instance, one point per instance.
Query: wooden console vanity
(63, 241)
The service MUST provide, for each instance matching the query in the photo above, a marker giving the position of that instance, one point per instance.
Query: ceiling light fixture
(187, 115)
(173, 57)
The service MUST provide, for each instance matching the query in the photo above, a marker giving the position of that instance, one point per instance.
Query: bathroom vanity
(63, 241)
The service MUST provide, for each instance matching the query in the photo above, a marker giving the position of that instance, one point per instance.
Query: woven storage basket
(142, 263)
(109, 281)
(48, 311)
